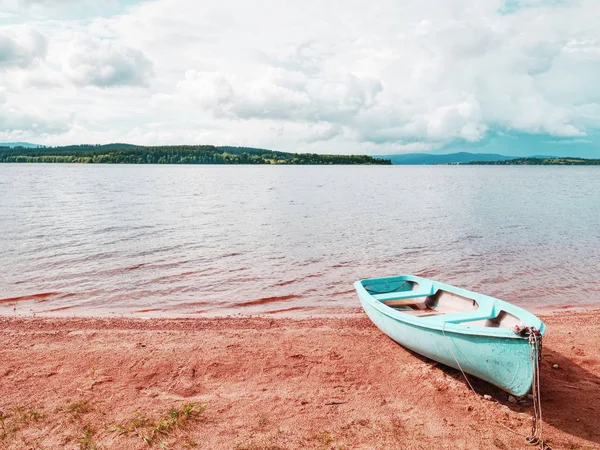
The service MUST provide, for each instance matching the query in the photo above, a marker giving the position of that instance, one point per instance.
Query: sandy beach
(274, 383)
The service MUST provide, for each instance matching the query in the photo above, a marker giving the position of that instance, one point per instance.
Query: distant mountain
(19, 144)
(524, 145)
(451, 158)
(536, 161)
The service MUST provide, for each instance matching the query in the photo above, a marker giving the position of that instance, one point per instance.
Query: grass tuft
(78, 408)
(24, 416)
(190, 443)
(325, 438)
(17, 418)
(86, 441)
(150, 431)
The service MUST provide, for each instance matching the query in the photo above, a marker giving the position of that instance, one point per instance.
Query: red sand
(272, 383)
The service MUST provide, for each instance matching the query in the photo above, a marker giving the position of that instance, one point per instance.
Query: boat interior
(423, 301)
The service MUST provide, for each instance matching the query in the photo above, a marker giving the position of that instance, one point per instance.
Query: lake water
(217, 240)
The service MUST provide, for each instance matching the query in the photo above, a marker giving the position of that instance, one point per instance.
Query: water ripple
(186, 240)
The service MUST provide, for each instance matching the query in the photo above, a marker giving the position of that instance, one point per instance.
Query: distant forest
(176, 154)
(540, 162)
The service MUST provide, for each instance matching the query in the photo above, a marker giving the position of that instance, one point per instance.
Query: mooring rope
(535, 342)
(536, 437)
(455, 358)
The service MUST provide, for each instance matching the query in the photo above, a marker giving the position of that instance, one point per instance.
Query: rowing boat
(475, 333)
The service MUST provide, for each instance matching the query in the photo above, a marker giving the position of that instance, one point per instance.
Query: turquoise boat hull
(461, 329)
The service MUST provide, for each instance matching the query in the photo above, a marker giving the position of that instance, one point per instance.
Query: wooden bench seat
(402, 302)
(421, 312)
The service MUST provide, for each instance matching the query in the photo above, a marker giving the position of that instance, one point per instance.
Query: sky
(336, 76)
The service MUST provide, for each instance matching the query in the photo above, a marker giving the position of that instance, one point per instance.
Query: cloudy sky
(347, 76)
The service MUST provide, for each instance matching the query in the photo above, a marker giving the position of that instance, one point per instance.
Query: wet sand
(274, 383)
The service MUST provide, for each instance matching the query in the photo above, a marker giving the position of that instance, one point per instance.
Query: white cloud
(16, 121)
(323, 133)
(344, 76)
(280, 94)
(105, 63)
(21, 47)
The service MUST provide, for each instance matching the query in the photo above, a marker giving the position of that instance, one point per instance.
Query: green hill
(174, 154)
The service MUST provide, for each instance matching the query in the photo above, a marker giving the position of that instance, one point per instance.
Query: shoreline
(275, 382)
(291, 313)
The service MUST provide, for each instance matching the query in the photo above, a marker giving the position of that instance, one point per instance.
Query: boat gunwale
(448, 326)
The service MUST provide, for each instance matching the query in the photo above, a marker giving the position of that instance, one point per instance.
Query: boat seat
(480, 313)
(421, 312)
(402, 302)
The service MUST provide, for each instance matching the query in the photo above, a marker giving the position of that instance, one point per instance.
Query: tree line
(572, 161)
(176, 154)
